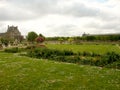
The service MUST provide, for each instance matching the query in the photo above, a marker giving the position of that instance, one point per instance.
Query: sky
(61, 17)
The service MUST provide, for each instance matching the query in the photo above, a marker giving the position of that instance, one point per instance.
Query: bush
(79, 53)
(108, 58)
(68, 52)
(87, 58)
(12, 50)
(47, 53)
(115, 65)
(85, 61)
(87, 53)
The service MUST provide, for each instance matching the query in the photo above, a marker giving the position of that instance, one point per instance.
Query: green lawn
(100, 49)
(24, 73)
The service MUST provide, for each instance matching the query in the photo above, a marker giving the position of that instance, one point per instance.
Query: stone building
(12, 34)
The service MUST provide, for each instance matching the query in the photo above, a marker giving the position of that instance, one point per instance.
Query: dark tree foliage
(4, 41)
(32, 36)
(113, 37)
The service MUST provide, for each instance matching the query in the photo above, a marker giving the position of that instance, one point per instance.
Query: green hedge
(14, 50)
(110, 59)
(105, 60)
(48, 53)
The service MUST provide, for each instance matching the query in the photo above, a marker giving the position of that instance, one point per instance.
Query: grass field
(100, 49)
(24, 73)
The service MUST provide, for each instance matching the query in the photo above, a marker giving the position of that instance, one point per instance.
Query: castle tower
(13, 33)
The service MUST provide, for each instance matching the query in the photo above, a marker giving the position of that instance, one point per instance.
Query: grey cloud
(37, 6)
(6, 15)
(105, 26)
(64, 30)
(108, 16)
(32, 9)
(80, 10)
(25, 9)
(29, 9)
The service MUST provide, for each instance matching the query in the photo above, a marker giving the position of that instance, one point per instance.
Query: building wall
(12, 33)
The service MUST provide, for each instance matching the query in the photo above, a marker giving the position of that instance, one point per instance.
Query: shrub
(115, 65)
(40, 39)
(87, 53)
(12, 50)
(108, 58)
(68, 52)
(95, 54)
(48, 53)
(85, 61)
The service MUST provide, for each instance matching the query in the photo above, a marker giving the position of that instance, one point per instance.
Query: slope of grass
(100, 49)
(23, 73)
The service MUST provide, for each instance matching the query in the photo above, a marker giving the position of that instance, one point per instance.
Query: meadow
(24, 73)
(99, 49)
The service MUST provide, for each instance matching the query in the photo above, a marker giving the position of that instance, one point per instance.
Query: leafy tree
(41, 35)
(32, 36)
(40, 38)
(90, 38)
(61, 40)
(70, 40)
(4, 41)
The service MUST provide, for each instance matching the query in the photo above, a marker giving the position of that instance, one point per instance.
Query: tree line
(88, 38)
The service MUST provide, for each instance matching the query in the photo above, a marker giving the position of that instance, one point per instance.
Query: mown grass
(99, 49)
(24, 73)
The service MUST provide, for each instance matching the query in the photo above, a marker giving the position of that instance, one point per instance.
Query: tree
(90, 38)
(32, 36)
(40, 39)
(61, 40)
(4, 41)
(70, 40)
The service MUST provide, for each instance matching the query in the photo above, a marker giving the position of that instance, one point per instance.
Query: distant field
(23, 73)
(101, 49)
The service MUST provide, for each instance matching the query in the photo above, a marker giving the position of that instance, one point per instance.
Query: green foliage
(109, 58)
(32, 36)
(48, 53)
(56, 38)
(70, 40)
(12, 50)
(68, 59)
(85, 58)
(88, 37)
(61, 40)
(87, 53)
(4, 41)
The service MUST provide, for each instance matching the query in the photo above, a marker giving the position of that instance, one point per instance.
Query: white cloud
(61, 17)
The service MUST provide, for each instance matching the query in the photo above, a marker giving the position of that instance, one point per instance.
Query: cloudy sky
(61, 17)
